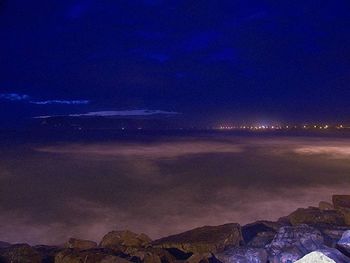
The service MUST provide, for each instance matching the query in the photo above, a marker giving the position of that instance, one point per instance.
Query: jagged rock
(335, 255)
(88, 256)
(312, 215)
(204, 239)
(80, 244)
(125, 240)
(47, 252)
(152, 255)
(293, 242)
(344, 243)
(243, 255)
(331, 234)
(314, 257)
(179, 254)
(341, 201)
(20, 253)
(325, 206)
(324, 255)
(200, 258)
(260, 233)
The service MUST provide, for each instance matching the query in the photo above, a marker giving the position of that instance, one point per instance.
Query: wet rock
(325, 206)
(88, 256)
(344, 243)
(80, 244)
(312, 215)
(204, 239)
(20, 253)
(125, 240)
(315, 257)
(293, 242)
(243, 255)
(341, 201)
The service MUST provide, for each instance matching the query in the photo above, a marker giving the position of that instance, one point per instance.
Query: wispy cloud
(67, 102)
(125, 113)
(141, 112)
(14, 97)
(28, 99)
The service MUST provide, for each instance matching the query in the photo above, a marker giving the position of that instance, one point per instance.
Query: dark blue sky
(285, 60)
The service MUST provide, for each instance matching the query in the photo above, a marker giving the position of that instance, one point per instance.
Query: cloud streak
(14, 97)
(66, 102)
(135, 113)
(28, 99)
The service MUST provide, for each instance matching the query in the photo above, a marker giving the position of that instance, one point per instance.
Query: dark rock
(312, 215)
(126, 241)
(150, 255)
(243, 255)
(204, 239)
(344, 243)
(80, 244)
(47, 252)
(179, 254)
(331, 234)
(341, 201)
(4, 244)
(260, 233)
(293, 242)
(20, 253)
(88, 256)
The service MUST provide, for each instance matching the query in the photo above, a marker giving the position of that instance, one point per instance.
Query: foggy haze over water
(52, 191)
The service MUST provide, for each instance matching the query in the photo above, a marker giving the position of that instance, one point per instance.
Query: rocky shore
(314, 234)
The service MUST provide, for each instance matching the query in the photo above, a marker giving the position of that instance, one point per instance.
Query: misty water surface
(52, 191)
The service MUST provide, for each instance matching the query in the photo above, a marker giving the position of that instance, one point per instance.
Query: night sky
(207, 60)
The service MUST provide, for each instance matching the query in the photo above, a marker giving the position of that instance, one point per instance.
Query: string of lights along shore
(284, 127)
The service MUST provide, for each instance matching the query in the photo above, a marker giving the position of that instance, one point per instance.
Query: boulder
(47, 253)
(204, 239)
(341, 201)
(344, 243)
(334, 254)
(312, 215)
(88, 256)
(326, 255)
(243, 255)
(331, 234)
(152, 255)
(80, 244)
(200, 258)
(260, 233)
(346, 214)
(315, 257)
(125, 240)
(20, 253)
(293, 242)
(325, 206)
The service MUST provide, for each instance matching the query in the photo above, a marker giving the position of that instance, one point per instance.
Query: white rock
(315, 257)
